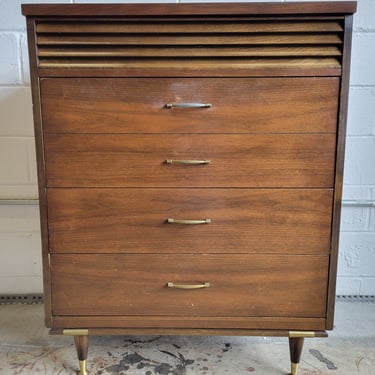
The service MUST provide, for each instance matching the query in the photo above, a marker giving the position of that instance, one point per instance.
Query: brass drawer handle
(188, 105)
(189, 162)
(188, 286)
(188, 222)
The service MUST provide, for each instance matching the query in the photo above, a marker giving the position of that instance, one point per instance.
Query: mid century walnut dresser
(190, 161)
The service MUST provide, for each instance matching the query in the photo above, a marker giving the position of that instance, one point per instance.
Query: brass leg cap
(294, 367)
(82, 368)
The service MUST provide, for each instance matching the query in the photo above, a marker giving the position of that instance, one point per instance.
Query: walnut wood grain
(295, 349)
(190, 331)
(82, 346)
(245, 34)
(238, 105)
(175, 26)
(209, 51)
(88, 10)
(123, 325)
(42, 193)
(339, 171)
(251, 160)
(184, 325)
(220, 42)
(280, 40)
(240, 285)
(260, 68)
(173, 66)
(243, 221)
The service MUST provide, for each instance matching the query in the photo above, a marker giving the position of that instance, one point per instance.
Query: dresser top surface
(251, 8)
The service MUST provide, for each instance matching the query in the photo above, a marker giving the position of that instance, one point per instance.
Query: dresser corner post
(81, 340)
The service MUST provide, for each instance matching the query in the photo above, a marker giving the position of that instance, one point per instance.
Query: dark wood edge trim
(186, 322)
(341, 138)
(35, 91)
(168, 73)
(201, 18)
(188, 332)
(336, 7)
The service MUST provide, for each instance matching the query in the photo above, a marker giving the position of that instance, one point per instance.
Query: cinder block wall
(20, 260)
(357, 242)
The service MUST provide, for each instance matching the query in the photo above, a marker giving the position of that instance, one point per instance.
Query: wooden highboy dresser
(190, 162)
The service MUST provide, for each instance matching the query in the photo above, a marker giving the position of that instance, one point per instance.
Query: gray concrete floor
(26, 348)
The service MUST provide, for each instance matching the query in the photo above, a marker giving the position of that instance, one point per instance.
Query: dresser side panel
(341, 140)
(39, 142)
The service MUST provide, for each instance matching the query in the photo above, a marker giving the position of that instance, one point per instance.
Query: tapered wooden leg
(295, 347)
(82, 346)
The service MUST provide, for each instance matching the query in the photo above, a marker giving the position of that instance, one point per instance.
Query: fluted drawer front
(251, 160)
(223, 220)
(237, 285)
(181, 44)
(134, 105)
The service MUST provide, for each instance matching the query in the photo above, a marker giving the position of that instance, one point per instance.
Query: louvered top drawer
(191, 45)
(229, 105)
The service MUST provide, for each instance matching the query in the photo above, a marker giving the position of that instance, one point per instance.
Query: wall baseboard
(354, 299)
(32, 299)
(24, 299)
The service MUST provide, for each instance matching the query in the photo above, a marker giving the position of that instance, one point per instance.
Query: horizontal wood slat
(189, 51)
(242, 221)
(151, 43)
(132, 284)
(197, 40)
(204, 71)
(187, 27)
(170, 65)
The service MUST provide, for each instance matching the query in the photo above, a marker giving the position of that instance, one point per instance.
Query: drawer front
(246, 160)
(133, 105)
(280, 221)
(239, 285)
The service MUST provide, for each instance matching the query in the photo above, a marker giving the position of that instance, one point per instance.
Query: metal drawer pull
(188, 286)
(188, 105)
(188, 222)
(190, 162)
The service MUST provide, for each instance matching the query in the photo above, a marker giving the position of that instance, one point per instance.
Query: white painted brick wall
(9, 62)
(20, 260)
(356, 274)
(20, 265)
(361, 120)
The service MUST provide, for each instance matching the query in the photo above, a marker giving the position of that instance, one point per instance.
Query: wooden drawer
(135, 105)
(280, 221)
(240, 285)
(246, 160)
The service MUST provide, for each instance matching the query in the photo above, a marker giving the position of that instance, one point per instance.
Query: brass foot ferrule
(82, 368)
(75, 332)
(294, 368)
(301, 334)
